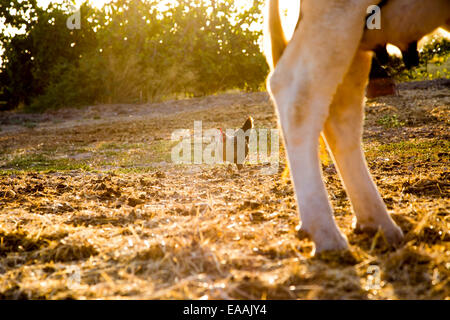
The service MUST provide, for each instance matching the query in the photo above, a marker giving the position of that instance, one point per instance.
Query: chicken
(229, 140)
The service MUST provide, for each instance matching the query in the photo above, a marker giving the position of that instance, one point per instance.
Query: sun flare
(289, 9)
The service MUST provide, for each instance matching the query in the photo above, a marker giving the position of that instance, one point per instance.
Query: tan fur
(317, 84)
(406, 21)
(275, 31)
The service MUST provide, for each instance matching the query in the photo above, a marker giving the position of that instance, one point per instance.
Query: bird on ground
(239, 137)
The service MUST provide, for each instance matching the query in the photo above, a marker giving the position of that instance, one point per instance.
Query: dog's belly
(407, 21)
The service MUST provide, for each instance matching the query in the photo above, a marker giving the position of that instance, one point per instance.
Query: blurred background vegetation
(126, 52)
(434, 61)
(132, 51)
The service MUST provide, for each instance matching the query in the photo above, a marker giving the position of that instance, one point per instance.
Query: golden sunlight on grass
(95, 205)
(90, 207)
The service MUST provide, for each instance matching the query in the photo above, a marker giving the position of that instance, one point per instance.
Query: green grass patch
(131, 155)
(29, 124)
(40, 162)
(118, 146)
(111, 153)
(135, 170)
(390, 121)
(421, 150)
(429, 71)
(162, 150)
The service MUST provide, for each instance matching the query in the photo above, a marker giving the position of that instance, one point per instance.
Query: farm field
(91, 206)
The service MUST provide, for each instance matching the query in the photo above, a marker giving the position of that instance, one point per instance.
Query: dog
(317, 83)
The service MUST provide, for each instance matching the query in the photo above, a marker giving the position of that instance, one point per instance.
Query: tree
(129, 51)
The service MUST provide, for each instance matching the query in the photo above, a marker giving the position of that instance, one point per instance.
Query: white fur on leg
(315, 210)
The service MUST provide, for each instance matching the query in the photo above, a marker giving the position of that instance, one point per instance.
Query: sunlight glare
(288, 9)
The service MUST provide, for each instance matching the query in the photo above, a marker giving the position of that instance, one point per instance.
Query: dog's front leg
(302, 86)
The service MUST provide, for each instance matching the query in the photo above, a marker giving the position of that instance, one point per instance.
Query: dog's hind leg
(343, 131)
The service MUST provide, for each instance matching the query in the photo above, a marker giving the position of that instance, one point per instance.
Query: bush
(434, 58)
(129, 52)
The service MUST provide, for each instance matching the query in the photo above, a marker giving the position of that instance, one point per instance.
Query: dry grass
(90, 207)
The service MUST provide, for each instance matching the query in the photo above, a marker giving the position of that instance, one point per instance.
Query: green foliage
(130, 51)
(434, 62)
(33, 61)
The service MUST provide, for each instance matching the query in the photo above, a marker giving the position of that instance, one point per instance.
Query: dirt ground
(91, 206)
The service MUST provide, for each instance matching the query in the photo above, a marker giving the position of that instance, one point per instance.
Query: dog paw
(331, 242)
(391, 231)
(325, 239)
